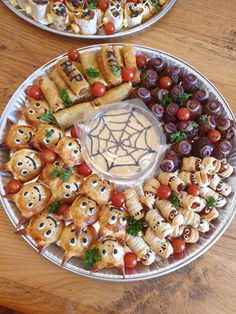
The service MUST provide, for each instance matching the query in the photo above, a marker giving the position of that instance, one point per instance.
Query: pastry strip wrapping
(171, 179)
(169, 212)
(133, 204)
(159, 226)
(161, 246)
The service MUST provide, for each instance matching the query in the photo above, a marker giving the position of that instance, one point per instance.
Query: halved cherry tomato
(193, 189)
(98, 89)
(73, 132)
(73, 55)
(214, 136)
(13, 186)
(165, 82)
(83, 169)
(63, 209)
(164, 192)
(103, 5)
(183, 114)
(178, 245)
(127, 74)
(33, 92)
(49, 156)
(118, 199)
(110, 28)
(130, 260)
(141, 61)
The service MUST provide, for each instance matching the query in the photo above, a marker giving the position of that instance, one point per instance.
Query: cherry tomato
(49, 156)
(134, 1)
(178, 245)
(164, 192)
(127, 74)
(13, 186)
(118, 199)
(193, 189)
(165, 82)
(73, 55)
(130, 260)
(183, 114)
(110, 28)
(103, 5)
(98, 89)
(62, 209)
(73, 132)
(214, 136)
(141, 61)
(33, 92)
(83, 169)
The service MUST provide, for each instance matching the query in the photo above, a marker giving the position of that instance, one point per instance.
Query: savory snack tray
(54, 253)
(73, 29)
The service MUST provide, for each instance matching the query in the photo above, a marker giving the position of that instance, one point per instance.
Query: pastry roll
(133, 204)
(51, 93)
(151, 185)
(209, 213)
(87, 20)
(141, 249)
(133, 14)
(114, 14)
(47, 136)
(100, 62)
(207, 192)
(33, 112)
(210, 165)
(61, 85)
(159, 226)
(189, 234)
(161, 246)
(112, 71)
(226, 169)
(19, 136)
(220, 186)
(118, 55)
(169, 212)
(171, 179)
(129, 54)
(91, 68)
(59, 16)
(148, 199)
(202, 178)
(38, 10)
(203, 226)
(190, 218)
(113, 95)
(73, 77)
(191, 202)
(191, 164)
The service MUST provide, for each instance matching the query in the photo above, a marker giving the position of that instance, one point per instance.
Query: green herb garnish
(55, 173)
(92, 4)
(91, 257)
(194, 124)
(54, 206)
(156, 5)
(48, 133)
(64, 174)
(92, 72)
(134, 226)
(65, 98)
(165, 101)
(177, 136)
(211, 201)
(174, 201)
(184, 97)
(48, 118)
(203, 118)
(116, 70)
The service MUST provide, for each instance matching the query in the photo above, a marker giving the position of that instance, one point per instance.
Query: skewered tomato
(130, 260)
(183, 114)
(193, 189)
(214, 136)
(141, 61)
(73, 55)
(83, 169)
(165, 82)
(98, 89)
(49, 156)
(127, 74)
(164, 192)
(178, 245)
(33, 92)
(13, 186)
(118, 199)
(103, 5)
(110, 28)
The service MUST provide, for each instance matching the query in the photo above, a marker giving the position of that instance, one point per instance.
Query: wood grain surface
(203, 33)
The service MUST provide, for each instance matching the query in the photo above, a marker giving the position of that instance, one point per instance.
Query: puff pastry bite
(47, 172)
(219, 186)
(161, 246)
(141, 249)
(25, 165)
(171, 179)
(73, 245)
(133, 204)
(207, 192)
(191, 202)
(34, 111)
(159, 226)
(69, 150)
(19, 136)
(169, 212)
(210, 164)
(47, 136)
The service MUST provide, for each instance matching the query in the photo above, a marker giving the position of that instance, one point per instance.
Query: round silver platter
(54, 253)
(22, 14)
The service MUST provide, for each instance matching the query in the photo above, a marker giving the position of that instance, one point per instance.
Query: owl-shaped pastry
(97, 189)
(44, 229)
(25, 164)
(48, 172)
(47, 136)
(74, 245)
(34, 111)
(19, 136)
(69, 150)
(31, 199)
(112, 254)
(112, 222)
(84, 212)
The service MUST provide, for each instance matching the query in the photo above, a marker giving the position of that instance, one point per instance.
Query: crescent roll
(202, 178)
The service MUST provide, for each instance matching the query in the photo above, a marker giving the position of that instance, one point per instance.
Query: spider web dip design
(122, 142)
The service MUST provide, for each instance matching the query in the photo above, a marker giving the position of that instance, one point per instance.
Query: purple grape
(174, 73)
(214, 107)
(156, 64)
(195, 108)
(158, 111)
(201, 95)
(175, 92)
(149, 79)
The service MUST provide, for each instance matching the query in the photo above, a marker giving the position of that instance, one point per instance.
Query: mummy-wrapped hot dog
(190, 218)
(171, 179)
(203, 225)
(209, 213)
(202, 178)
(191, 164)
(160, 227)
(114, 14)
(191, 202)
(133, 204)
(225, 170)
(219, 186)
(207, 192)
(150, 188)
(189, 234)
(169, 212)
(59, 16)
(38, 10)
(161, 246)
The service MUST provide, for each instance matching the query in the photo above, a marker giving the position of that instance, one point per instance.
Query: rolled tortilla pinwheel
(133, 14)
(87, 21)
(22, 3)
(75, 5)
(39, 10)
(59, 16)
(114, 14)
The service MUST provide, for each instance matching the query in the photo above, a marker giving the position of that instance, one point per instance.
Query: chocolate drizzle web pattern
(120, 136)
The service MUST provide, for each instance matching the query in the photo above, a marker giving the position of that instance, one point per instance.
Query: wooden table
(204, 34)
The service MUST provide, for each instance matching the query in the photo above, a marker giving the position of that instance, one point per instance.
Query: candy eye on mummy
(47, 140)
(26, 194)
(72, 241)
(19, 164)
(20, 131)
(66, 186)
(123, 221)
(57, 163)
(102, 190)
(115, 252)
(69, 145)
(75, 153)
(85, 241)
(104, 253)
